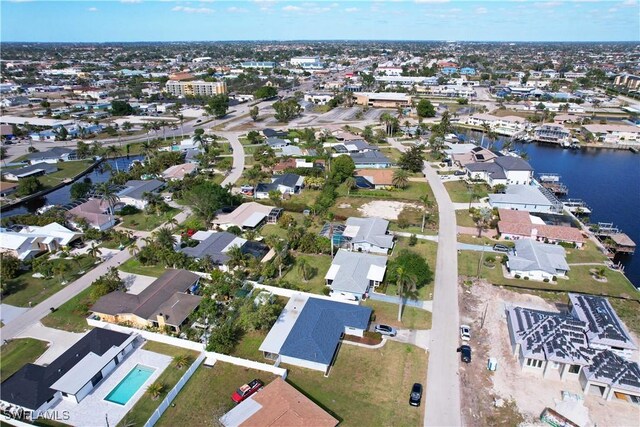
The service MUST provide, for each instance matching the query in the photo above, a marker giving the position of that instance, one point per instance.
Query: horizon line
(322, 40)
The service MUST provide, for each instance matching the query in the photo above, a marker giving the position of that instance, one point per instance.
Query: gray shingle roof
(494, 170)
(532, 255)
(212, 246)
(317, 332)
(352, 276)
(369, 157)
(135, 188)
(511, 163)
(371, 230)
(52, 153)
(287, 180)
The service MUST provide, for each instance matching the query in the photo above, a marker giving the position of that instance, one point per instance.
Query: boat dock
(614, 239)
(577, 207)
(551, 181)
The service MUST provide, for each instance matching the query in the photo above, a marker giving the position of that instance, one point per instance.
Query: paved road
(443, 385)
(238, 157)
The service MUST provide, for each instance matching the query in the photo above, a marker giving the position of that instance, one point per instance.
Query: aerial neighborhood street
(318, 233)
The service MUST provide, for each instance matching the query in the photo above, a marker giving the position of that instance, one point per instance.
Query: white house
(621, 134)
(505, 170)
(134, 192)
(21, 246)
(537, 261)
(508, 125)
(354, 273)
(368, 235)
(526, 197)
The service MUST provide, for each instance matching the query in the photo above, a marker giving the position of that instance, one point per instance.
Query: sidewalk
(421, 304)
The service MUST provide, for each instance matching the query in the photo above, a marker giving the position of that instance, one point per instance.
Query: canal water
(62, 195)
(607, 180)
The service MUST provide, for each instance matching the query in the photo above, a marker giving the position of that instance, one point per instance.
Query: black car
(465, 353)
(416, 395)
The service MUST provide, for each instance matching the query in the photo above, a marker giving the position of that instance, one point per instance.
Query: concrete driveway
(10, 312)
(135, 283)
(418, 337)
(59, 341)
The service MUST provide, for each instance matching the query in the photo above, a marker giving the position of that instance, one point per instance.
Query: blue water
(129, 385)
(607, 180)
(62, 195)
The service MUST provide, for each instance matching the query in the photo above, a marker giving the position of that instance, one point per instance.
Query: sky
(162, 20)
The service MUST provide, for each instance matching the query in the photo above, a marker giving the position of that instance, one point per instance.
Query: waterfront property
(134, 192)
(309, 330)
(52, 155)
(503, 170)
(537, 261)
(514, 225)
(278, 403)
(506, 125)
(167, 302)
(71, 377)
(621, 134)
(587, 344)
(36, 170)
(33, 240)
(526, 197)
(552, 133)
(95, 212)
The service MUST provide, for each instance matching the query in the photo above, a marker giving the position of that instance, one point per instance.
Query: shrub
(129, 210)
(526, 277)
(545, 280)
(554, 278)
(517, 276)
(413, 240)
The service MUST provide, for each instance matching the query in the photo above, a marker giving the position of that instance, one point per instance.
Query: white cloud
(234, 9)
(199, 10)
(432, 1)
(481, 10)
(130, 1)
(351, 9)
(630, 3)
(20, 1)
(92, 9)
(291, 8)
(549, 4)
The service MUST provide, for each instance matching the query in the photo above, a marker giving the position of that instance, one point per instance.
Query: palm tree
(173, 222)
(147, 148)
(237, 258)
(475, 194)
(94, 251)
(134, 250)
(254, 176)
(181, 360)
(482, 219)
(400, 178)
(387, 119)
(164, 237)
(153, 200)
(350, 183)
(107, 194)
(113, 151)
(304, 268)
(406, 284)
(426, 203)
(156, 389)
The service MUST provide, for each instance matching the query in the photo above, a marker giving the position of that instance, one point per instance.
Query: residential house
(286, 184)
(272, 133)
(508, 125)
(55, 235)
(29, 171)
(20, 246)
(505, 170)
(277, 143)
(217, 245)
(514, 225)
(167, 302)
(368, 235)
(526, 197)
(475, 155)
(555, 134)
(289, 151)
(248, 216)
(588, 344)
(291, 163)
(95, 211)
(352, 146)
(370, 159)
(352, 274)
(621, 134)
(537, 261)
(52, 155)
(134, 192)
(374, 178)
(34, 389)
(178, 172)
(278, 404)
(309, 330)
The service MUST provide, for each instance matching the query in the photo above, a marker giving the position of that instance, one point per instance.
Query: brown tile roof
(379, 176)
(285, 164)
(284, 406)
(519, 223)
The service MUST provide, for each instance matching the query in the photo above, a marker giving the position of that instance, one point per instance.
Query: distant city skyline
(162, 20)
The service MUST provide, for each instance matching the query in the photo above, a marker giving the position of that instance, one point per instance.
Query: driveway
(10, 312)
(391, 299)
(135, 283)
(418, 337)
(238, 157)
(60, 341)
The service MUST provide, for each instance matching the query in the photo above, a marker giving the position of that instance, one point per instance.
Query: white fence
(153, 419)
(289, 293)
(191, 345)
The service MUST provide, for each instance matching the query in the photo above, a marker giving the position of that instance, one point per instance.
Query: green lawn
(579, 279)
(428, 250)
(367, 387)
(207, 395)
(16, 353)
(387, 313)
(143, 409)
(319, 265)
(484, 240)
(248, 346)
(459, 192)
(133, 266)
(588, 253)
(145, 222)
(392, 154)
(413, 192)
(72, 315)
(628, 311)
(25, 288)
(464, 219)
(66, 170)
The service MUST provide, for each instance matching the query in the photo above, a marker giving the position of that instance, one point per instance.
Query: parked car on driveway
(416, 395)
(501, 248)
(465, 332)
(246, 390)
(465, 353)
(386, 330)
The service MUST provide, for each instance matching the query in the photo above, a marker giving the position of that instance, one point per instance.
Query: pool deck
(91, 411)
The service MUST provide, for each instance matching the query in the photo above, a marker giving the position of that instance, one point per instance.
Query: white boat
(45, 208)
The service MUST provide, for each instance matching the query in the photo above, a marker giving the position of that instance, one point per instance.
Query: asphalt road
(443, 386)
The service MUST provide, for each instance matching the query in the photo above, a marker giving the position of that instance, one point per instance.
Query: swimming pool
(129, 385)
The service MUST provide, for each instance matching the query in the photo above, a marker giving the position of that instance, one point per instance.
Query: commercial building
(629, 81)
(383, 99)
(196, 88)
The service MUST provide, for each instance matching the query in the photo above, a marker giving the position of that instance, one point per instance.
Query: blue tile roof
(316, 334)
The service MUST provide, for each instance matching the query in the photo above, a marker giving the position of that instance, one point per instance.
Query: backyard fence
(153, 419)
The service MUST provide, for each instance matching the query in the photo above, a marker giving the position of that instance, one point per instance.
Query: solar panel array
(601, 318)
(614, 370)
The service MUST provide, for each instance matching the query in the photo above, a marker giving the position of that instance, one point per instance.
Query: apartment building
(196, 88)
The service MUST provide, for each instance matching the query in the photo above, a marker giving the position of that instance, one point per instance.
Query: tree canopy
(207, 198)
(121, 108)
(342, 168)
(266, 92)
(286, 110)
(412, 264)
(412, 160)
(218, 105)
(425, 108)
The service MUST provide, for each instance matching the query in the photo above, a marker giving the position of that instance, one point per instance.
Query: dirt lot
(525, 395)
